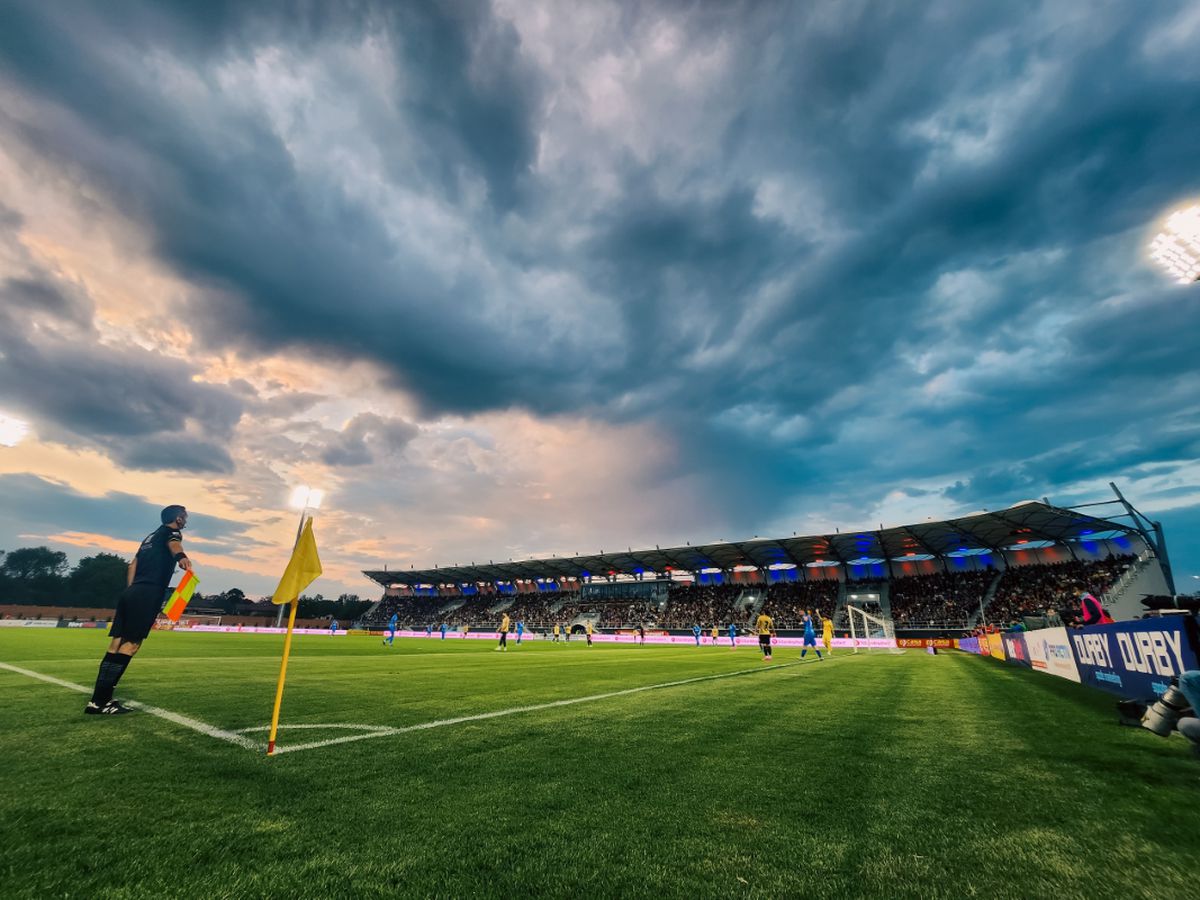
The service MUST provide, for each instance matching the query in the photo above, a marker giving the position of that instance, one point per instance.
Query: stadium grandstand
(987, 568)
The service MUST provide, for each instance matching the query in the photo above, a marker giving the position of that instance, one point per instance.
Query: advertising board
(28, 623)
(1014, 648)
(995, 644)
(1135, 659)
(1050, 652)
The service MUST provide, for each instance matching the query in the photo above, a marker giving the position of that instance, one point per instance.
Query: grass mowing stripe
(439, 723)
(185, 721)
(899, 776)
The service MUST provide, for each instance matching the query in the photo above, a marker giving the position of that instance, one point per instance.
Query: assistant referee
(149, 577)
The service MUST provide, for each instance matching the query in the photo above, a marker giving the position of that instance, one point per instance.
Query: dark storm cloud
(135, 404)
(799, 347)
(107, 391)
(368, 438)
(669, 261)
(28, 295)
(230, 211)
(33, 505)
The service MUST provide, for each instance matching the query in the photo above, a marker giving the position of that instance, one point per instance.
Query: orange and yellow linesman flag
(302, 569)
(179, 598)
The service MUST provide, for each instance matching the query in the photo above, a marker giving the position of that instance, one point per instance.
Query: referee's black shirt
(155, 561)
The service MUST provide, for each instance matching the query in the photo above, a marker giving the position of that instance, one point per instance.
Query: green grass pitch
(878, 775)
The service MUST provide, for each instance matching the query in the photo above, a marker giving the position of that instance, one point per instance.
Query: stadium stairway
(885, 600)
(559, 604)
(987, 600)
(1144, 577)
(751, 600)
(839, 611)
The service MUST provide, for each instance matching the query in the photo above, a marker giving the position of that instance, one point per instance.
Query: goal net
(871, 632)
(187, 620)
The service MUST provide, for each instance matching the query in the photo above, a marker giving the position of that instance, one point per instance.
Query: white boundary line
(186, 722)
(255, 728)
(496, 714)
(376, 731)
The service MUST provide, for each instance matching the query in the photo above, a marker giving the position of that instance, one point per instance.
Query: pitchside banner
(921, 643)
(1015, 649)
(1050, 652)
(995, 644)
(1135, 659)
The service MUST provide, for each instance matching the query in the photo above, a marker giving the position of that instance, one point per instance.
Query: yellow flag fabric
(302, 569)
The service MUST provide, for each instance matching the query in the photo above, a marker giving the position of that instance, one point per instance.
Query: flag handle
(287, 649)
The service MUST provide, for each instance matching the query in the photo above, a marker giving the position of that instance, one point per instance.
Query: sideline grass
(880, 776)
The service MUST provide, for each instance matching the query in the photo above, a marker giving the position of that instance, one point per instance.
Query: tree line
(39, 576)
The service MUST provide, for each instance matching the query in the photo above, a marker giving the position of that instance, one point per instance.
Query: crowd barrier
(621, 637)
(258, 629)
(625, 637)
(1134, 659)
(49, 623)
(922, 643)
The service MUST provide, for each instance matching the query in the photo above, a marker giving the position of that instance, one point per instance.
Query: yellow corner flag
(302, 570)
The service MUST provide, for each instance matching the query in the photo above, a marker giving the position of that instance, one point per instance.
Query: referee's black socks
(112, 667)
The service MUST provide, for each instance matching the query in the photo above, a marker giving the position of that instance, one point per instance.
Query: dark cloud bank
(956, 138)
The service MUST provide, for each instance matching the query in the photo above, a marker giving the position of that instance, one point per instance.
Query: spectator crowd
(1057, 587)
(940, 599)
(943, 599)
(787, 601)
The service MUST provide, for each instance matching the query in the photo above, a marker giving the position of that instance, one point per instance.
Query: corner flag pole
(302, 569)
(287, 649)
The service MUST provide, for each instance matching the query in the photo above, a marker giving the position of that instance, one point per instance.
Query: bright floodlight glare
(12, 430)
(1177, 247)
(305, 497)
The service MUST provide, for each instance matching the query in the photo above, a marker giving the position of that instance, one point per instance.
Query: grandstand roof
(1030, 522)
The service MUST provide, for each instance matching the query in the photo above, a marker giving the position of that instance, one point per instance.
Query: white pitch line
(255, 728)
(376, 731)
(439, 723)
(185, 721)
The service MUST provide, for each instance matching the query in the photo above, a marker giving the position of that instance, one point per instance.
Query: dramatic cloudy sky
(527, 278)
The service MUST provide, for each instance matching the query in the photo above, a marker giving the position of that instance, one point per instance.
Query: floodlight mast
(1177, 247)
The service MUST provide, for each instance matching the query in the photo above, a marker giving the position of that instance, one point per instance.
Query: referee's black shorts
(137, 609)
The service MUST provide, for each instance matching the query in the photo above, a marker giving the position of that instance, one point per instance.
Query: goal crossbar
(870, 631)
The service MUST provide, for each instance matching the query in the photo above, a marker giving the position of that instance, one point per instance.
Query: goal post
(870, 632)
(194, 619)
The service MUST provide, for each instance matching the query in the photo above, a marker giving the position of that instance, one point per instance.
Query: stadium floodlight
(12, 430)
(305, 497)
(1177, 247)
